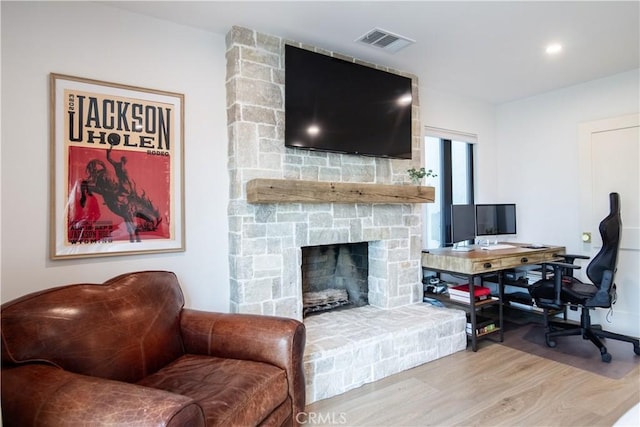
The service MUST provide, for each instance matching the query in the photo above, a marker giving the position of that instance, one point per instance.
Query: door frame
(626, 319)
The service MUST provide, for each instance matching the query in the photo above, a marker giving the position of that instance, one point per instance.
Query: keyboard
(497, 247)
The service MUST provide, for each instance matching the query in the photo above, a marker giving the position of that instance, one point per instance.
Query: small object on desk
(463, 248)
(535, 246)
(497, 247)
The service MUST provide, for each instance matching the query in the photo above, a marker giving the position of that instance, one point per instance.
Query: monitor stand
(462, 248)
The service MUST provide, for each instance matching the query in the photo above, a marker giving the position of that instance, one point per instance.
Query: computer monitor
(495, 219)
(463, 224)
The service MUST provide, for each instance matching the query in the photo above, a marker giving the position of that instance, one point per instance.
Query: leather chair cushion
(230, 391)
(62, 398)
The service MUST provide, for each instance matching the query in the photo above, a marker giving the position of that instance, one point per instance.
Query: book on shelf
(483, 329)
(480, 320)
(483, 324)
(466, 298)
(463, 290)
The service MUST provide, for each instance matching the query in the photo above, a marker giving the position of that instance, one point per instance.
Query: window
(450, 155)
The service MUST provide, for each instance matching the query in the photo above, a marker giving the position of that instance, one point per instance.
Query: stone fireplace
(266, 240)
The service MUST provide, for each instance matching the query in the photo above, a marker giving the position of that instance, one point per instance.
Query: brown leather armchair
(127, 353)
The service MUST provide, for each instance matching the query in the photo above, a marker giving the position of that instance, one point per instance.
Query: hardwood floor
(496, 386)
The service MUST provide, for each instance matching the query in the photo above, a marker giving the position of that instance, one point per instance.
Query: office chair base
(590, 332)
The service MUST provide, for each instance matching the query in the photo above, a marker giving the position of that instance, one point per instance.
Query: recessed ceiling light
(554, 48)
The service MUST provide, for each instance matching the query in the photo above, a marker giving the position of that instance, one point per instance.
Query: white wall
(537, 153)
(462, 114)
(100, 42)
(537, 150)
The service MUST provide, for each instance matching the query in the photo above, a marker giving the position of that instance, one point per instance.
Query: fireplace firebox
(334, 277)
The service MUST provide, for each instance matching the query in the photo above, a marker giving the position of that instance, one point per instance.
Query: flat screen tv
(339, 106)
(497, 219)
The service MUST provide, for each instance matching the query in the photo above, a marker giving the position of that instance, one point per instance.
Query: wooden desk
(479, 262)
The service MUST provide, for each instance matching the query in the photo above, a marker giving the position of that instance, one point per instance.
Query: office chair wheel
(636, 349)
(550, 343)
(606, 357)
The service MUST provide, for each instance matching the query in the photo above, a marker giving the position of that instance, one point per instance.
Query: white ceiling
(492, 51)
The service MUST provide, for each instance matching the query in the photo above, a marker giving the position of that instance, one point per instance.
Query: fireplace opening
(334, 277)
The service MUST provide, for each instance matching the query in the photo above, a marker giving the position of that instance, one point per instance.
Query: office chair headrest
(614, 203)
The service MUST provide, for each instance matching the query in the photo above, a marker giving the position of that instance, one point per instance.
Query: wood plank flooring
(496, 386)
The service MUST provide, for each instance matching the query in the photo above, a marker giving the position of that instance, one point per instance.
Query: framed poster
(117, 160)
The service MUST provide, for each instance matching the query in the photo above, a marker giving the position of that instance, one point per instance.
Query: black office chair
(562, 289)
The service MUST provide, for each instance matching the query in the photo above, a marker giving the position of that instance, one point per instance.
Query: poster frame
(149, 123)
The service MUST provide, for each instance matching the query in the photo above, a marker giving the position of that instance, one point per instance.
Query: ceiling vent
(385, 40)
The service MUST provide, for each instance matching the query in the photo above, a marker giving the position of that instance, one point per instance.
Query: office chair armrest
(557, 265)
(562, 268)
(570, 258)
(559, 268)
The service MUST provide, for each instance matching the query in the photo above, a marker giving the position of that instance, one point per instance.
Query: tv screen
(493, 220)
(339, 106)
(463, 223)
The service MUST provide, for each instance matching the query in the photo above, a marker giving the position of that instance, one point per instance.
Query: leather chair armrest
(275, 340)
(37, 394)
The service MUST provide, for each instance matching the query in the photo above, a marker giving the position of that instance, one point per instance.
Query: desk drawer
(525, 259)
(511, 262)
(487, 266)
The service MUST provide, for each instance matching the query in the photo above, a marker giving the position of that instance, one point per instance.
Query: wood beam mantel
(296, 191)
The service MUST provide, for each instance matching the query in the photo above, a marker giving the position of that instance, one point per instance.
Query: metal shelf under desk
(472, 307)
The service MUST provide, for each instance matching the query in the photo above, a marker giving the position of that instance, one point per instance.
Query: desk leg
(472, 314)
(500, 306)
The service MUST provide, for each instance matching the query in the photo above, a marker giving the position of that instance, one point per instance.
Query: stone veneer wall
(265, 240)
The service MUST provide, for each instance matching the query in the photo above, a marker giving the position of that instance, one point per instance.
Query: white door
(610, 162)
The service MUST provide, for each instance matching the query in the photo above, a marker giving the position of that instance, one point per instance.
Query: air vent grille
(385, 40)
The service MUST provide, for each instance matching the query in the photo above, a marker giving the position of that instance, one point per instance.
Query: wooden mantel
(296, 191)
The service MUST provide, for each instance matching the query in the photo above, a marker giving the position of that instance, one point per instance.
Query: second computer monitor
(496, 219)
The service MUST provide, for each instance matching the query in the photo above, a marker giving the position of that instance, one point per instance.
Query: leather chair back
(123, 330)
